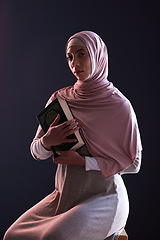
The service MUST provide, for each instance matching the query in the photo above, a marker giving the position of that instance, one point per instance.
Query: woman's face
(79, 61)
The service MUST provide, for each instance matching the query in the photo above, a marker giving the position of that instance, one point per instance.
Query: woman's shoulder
(123, 103)
(59, 93)
(120, 98)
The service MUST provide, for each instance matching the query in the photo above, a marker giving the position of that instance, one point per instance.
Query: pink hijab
(106, 118)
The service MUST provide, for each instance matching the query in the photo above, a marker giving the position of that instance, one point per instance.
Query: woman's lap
(92, 219)
(88, 220)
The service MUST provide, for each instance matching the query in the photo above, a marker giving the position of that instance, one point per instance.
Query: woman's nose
(75, 62)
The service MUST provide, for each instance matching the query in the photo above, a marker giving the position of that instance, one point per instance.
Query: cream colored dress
(83, 206)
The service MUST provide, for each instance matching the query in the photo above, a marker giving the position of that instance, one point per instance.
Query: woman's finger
(67, 123)
(56, 121)
(69, 132)
(70, 127)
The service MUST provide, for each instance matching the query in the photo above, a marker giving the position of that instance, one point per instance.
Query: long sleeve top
(40, 153)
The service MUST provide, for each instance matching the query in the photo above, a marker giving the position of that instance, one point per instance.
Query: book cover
(48, 115)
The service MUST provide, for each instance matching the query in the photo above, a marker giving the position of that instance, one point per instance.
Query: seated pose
(90, 200)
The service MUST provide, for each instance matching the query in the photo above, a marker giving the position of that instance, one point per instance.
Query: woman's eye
(81, 54)
(69, 58)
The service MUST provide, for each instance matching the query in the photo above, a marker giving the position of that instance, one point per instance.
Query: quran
(48, 115)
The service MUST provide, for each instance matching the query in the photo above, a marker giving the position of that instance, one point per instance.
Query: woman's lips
(79, 72)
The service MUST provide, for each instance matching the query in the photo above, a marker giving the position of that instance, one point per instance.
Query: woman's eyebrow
(81, 49)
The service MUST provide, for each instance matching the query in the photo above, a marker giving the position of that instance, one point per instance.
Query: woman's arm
(135, 167)
(56, 134)
(38, 151)
(92, 164)
(36, 148)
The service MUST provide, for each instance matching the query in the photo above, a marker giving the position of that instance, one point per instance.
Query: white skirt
(83, 206)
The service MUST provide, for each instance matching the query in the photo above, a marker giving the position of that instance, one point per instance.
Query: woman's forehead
(74, 42)
(75, 49)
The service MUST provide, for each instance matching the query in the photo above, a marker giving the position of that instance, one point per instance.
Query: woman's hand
(58, 134)
(69, 158)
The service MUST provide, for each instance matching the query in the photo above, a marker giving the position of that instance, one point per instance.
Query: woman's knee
(9, 235)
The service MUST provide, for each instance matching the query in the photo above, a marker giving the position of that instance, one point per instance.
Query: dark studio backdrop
(33, 65)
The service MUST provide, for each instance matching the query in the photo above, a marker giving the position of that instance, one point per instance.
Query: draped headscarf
(106, 118)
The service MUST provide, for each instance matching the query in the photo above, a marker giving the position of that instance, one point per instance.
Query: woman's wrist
(81, 159)
(44, 143)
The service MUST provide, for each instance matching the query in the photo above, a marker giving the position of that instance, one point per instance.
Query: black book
(48, 115)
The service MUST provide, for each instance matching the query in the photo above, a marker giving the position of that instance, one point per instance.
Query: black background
(32, 66)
